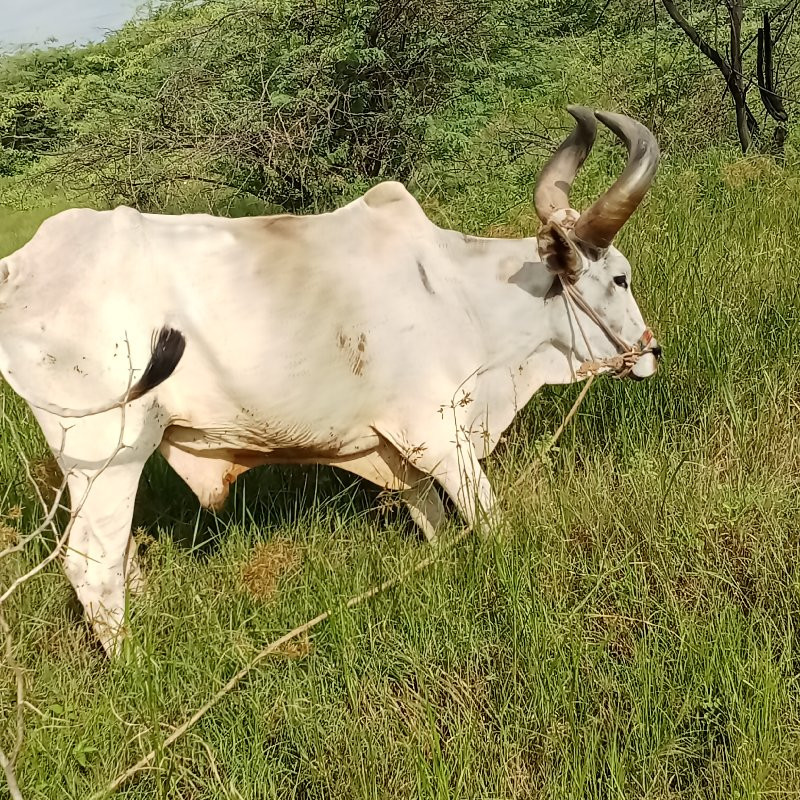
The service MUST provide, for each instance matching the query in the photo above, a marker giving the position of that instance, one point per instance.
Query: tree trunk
(731, 69)
(745, 123)
(742, 121)
(779, 142)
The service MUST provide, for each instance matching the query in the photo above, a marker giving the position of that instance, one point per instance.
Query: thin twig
(51, 511)
(9, 762)
(77, 507)
(51, 556)
(47, 522)
(11, 778)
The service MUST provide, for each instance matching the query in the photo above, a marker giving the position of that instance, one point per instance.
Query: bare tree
(738, 79)
(768, 79)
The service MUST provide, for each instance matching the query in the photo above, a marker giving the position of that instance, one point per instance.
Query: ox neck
(510, 295)
(516, 327)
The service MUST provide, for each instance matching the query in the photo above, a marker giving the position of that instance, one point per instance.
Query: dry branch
(272, 648)
(695, 37)
(275, 646)
(8, 761)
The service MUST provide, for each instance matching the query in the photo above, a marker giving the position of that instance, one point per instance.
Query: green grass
(17, 226)
(632, 634)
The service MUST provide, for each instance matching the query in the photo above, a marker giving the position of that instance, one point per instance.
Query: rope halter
(628, 355)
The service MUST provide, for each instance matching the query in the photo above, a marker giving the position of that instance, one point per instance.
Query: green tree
(290, 103)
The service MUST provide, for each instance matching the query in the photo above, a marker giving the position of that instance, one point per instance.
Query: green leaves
(292, 103)
(83, 752)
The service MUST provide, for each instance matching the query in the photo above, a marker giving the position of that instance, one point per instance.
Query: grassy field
(632, 633)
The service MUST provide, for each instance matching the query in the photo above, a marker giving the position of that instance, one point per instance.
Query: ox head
(578, 247)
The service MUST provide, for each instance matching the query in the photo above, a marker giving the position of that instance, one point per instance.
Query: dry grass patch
(8, 536)
(268, 563)
(48, 477)
(747, 170)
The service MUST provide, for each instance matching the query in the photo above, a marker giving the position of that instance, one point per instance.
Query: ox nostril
(656, 350)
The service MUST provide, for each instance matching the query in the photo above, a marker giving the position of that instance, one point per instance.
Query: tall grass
(632, 634)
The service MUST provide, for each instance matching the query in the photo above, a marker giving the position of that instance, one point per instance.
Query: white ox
(367, 338)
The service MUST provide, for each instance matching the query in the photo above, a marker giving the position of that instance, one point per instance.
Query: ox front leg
(460, 474)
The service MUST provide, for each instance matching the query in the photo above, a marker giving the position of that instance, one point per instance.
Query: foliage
(292, 103)
(559, 18)
(301, 105)
(33, 119)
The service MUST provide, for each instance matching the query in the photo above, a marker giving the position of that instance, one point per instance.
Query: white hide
(367, 338)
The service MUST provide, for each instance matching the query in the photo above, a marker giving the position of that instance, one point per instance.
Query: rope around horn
(620, 365)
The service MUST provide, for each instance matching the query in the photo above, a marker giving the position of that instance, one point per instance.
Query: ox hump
(389, 193)
(386, 193)
(394, 202)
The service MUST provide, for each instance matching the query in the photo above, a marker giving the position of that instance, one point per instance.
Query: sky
(25, 22)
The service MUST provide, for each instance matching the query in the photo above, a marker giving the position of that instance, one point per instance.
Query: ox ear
(558, 252)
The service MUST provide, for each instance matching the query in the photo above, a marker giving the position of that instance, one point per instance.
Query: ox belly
(210, 460)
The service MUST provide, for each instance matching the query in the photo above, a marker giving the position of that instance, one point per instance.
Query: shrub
(290, 104)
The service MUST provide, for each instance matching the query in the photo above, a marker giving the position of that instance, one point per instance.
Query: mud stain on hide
(354, 351)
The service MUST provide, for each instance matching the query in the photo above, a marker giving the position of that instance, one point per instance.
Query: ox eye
(621, 280)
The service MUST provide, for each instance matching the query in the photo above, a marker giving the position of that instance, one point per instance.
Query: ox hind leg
(103, 477)
(386, 468)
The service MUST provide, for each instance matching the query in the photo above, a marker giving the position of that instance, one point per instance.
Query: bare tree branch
(702, 45)
(8, 761)
(11, 778)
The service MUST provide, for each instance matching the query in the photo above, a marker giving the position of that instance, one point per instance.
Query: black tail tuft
(168, 347)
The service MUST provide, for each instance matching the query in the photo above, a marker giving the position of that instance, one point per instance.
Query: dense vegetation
(299, 104)
(633, 633)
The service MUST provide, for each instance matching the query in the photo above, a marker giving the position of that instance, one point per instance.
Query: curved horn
(555, 179)
(599, 224)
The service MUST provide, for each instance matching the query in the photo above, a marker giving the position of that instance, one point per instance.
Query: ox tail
(168, 347)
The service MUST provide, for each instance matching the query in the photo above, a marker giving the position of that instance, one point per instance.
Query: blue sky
(33, 21)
